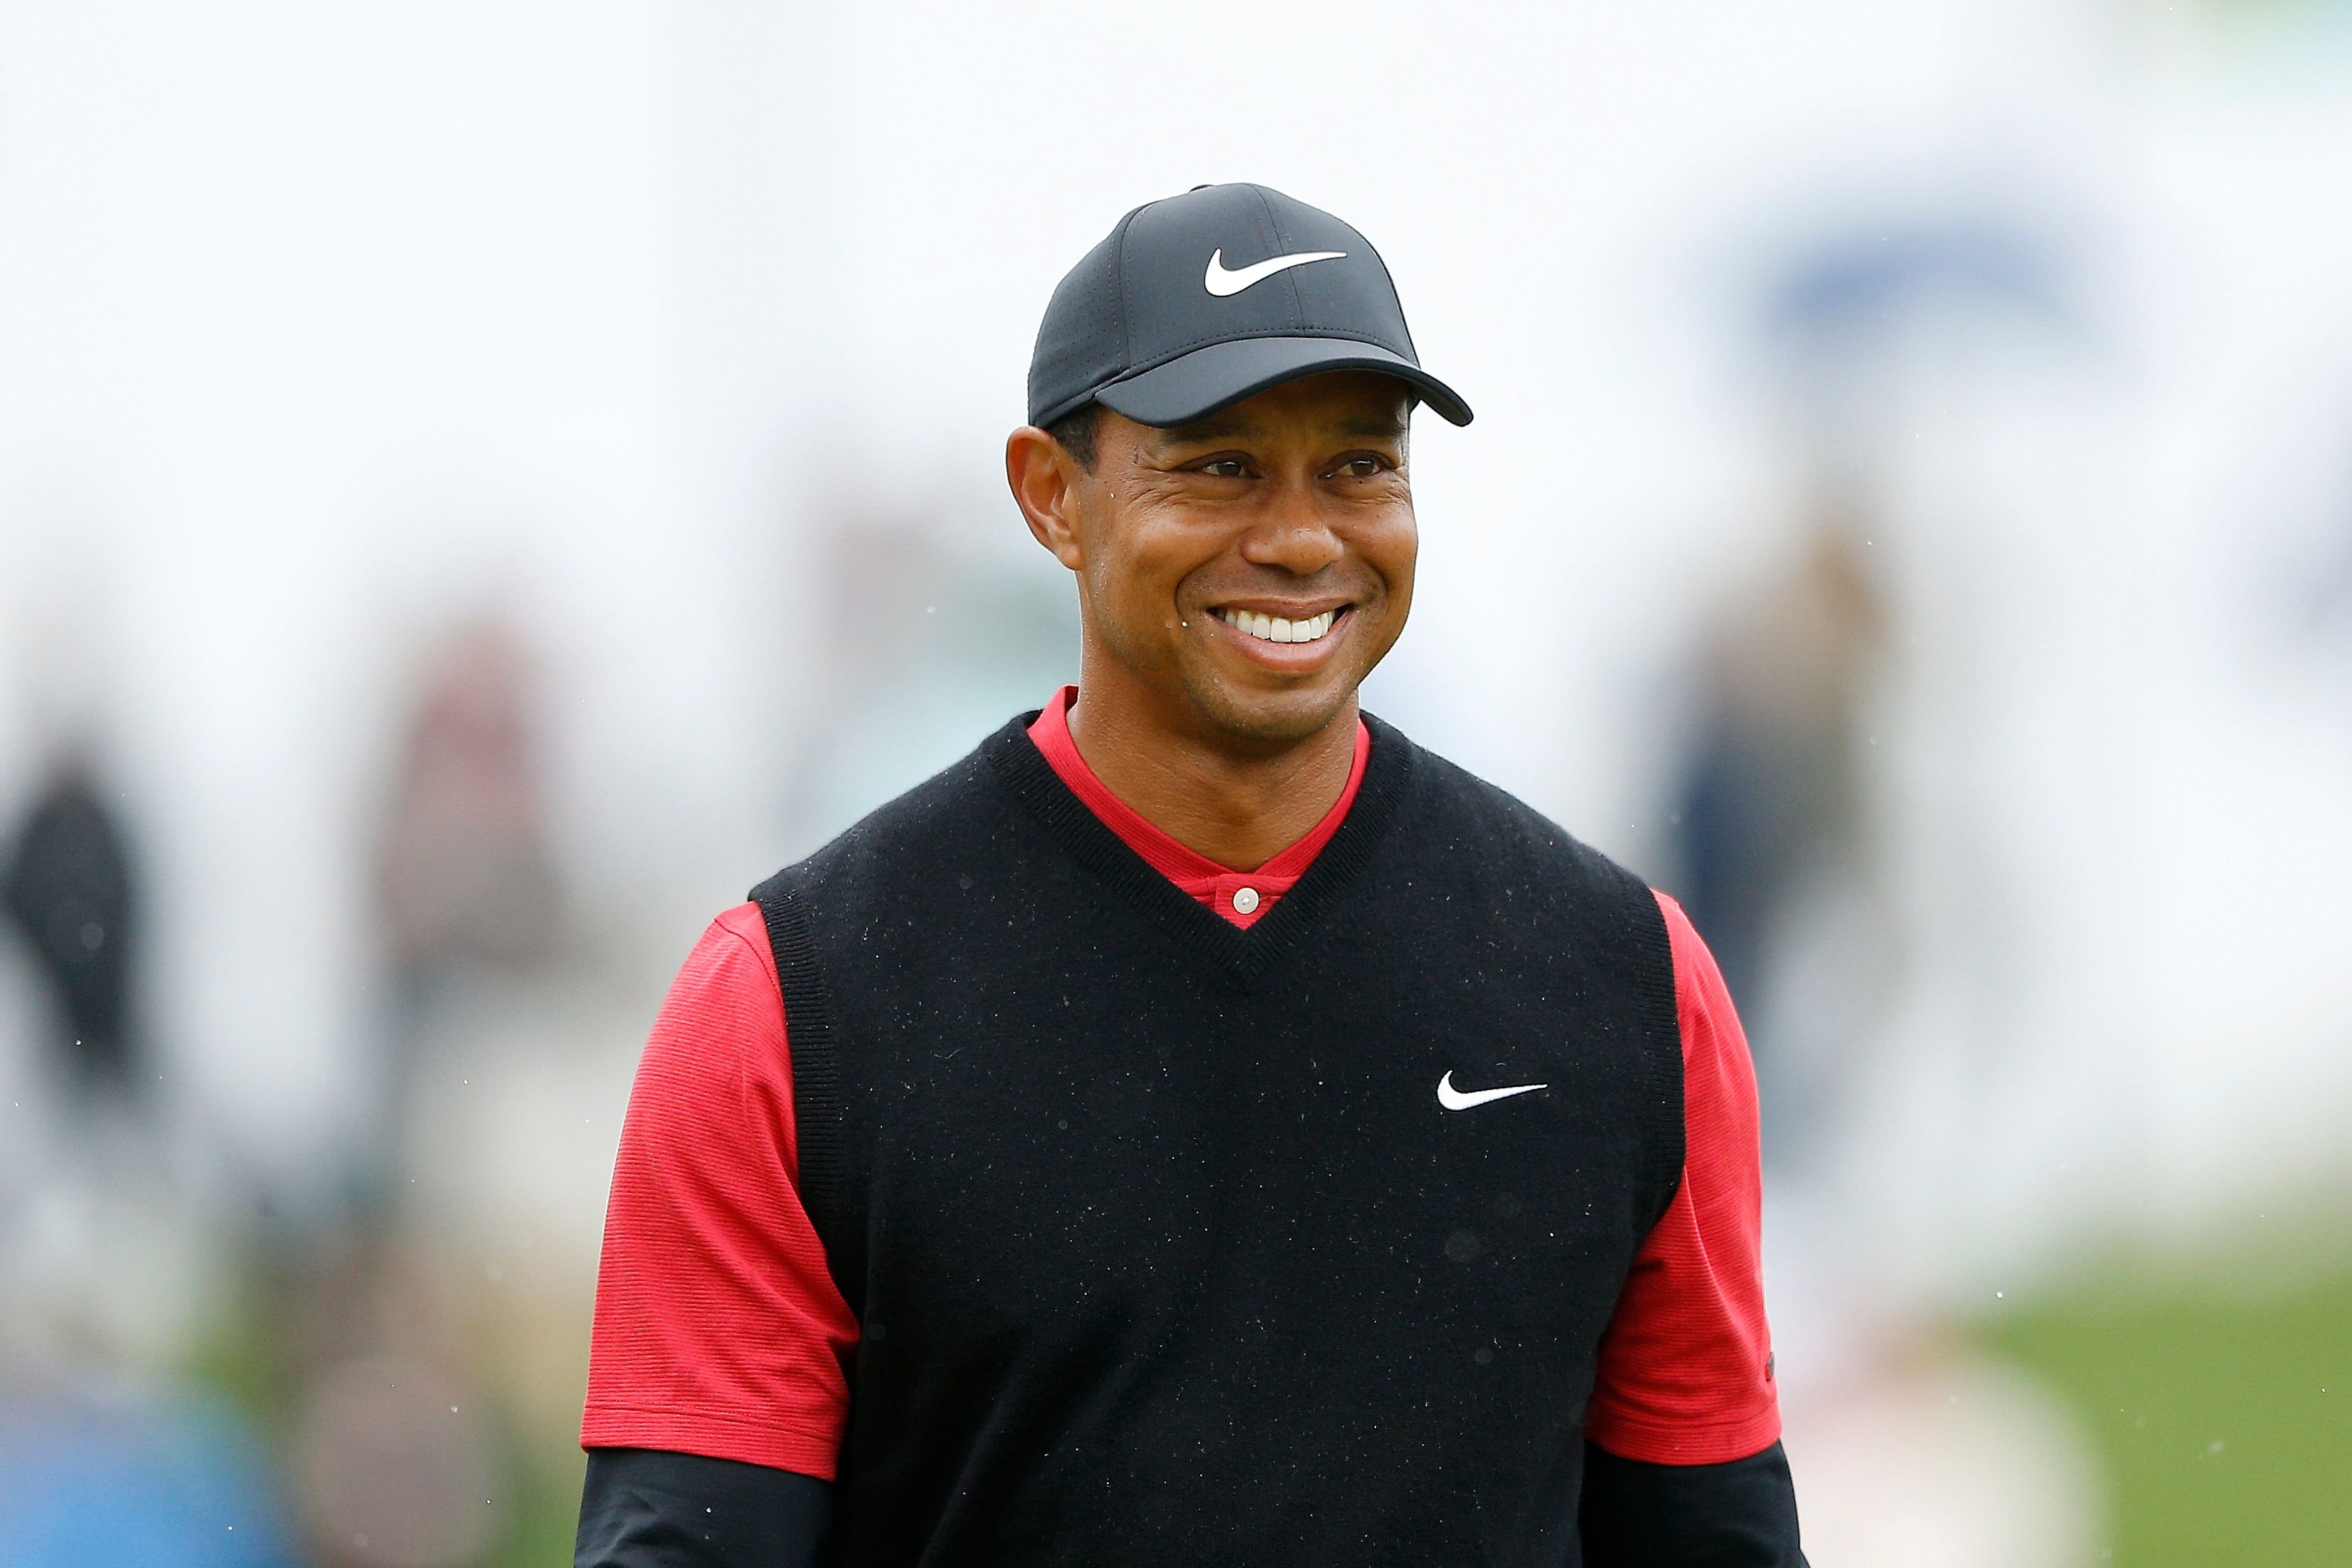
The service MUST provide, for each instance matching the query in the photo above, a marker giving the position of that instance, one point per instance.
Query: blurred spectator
(1771, 802)
(397, 1436)
(465, 878)
(932, 635)
(70, 889)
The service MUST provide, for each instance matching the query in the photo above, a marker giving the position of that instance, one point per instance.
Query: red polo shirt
(718, 1330)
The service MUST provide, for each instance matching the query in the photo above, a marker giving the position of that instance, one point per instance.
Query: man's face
(1250, 569)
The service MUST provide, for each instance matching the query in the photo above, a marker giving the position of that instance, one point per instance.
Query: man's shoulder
(924, 827)
(1463, 813)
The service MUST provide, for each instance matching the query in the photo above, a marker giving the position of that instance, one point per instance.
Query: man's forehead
(1369, 413)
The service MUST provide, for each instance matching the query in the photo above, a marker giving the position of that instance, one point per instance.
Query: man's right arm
(716, 1388)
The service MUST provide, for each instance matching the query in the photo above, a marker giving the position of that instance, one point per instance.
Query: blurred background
(481, 485)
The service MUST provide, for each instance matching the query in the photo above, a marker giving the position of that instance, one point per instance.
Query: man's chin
(1270, 721)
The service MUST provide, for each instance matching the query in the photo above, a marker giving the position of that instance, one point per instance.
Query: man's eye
(1361, 467)
(1224, 468)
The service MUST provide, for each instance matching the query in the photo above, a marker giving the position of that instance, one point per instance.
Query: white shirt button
(1245, 899)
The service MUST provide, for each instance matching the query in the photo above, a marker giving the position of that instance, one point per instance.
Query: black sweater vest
(1165, 1250)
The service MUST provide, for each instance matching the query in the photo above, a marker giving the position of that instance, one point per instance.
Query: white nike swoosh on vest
(1453, 1098)
(1221, 282)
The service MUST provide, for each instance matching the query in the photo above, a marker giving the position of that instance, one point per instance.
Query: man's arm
(645, 1509)
(717, 1392)
(1684, 1467)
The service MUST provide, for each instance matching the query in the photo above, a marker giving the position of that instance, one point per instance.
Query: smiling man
(1200, 1127)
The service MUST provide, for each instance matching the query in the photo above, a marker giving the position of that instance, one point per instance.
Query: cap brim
(1199, 384)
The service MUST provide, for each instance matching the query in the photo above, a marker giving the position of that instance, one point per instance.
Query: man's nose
(1293, 534)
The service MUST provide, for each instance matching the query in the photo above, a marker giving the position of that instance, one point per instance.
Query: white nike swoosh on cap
(1453, 1098)
(1221, 282)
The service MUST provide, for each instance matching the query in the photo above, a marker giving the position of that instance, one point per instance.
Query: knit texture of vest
(1165, 1250)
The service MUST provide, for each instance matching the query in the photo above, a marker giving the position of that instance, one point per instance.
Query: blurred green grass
(2219, 1399)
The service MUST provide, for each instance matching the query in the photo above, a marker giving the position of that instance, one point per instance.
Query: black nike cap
(1202, 299)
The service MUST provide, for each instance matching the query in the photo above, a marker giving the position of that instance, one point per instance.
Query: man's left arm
(1683, 1465)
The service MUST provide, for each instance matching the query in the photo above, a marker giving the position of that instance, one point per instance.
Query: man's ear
(1045, 481)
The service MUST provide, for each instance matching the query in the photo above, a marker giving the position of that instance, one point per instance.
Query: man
(1200, 1127)
(69, 883)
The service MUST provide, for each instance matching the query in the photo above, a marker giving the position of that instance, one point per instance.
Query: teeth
(1272, 629)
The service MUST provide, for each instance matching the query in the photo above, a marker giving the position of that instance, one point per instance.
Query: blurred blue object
(134, 1483)
(1841, 293)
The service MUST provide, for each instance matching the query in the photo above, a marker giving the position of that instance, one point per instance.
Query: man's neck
(1239, 810)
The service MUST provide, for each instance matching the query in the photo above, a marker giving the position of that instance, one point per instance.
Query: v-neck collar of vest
(1242, 956)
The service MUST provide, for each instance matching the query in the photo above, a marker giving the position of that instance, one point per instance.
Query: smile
(1274, 628)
